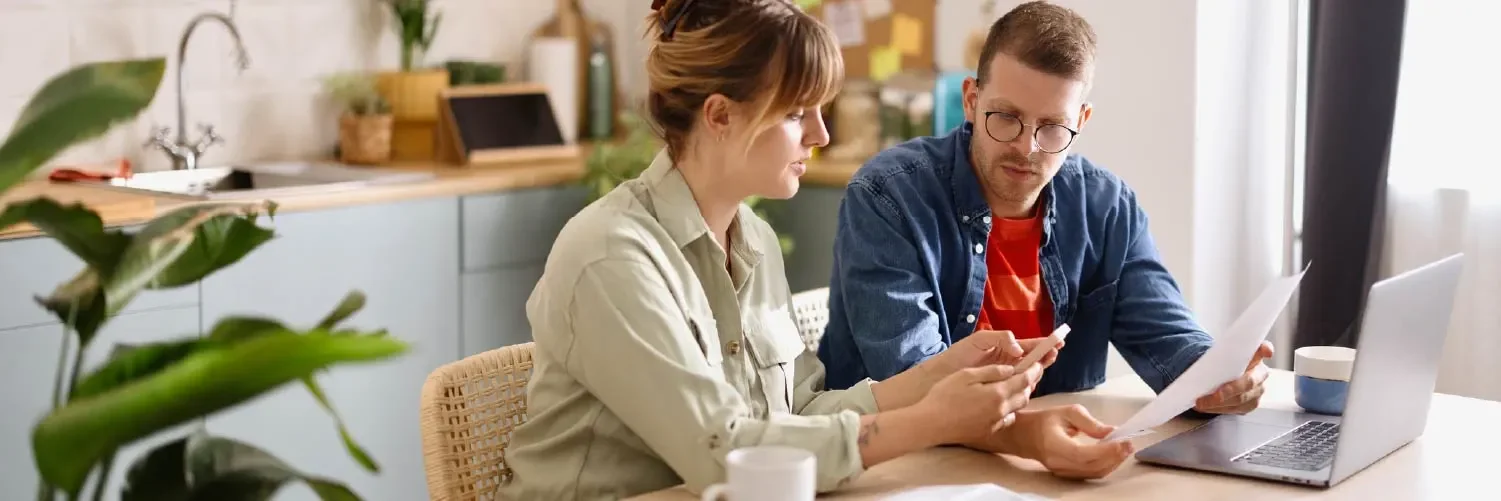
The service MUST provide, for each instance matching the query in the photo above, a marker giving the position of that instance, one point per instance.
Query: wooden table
(1454, 459)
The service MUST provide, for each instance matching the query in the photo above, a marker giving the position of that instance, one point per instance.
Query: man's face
(1014, 103)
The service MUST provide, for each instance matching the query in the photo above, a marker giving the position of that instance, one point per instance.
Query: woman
(662, 323)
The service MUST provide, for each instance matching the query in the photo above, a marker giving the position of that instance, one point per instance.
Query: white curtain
(1444, 189)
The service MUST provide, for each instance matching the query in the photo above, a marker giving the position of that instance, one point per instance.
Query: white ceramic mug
(767, 473)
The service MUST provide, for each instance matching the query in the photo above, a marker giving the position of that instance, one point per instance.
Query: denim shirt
(909, 270)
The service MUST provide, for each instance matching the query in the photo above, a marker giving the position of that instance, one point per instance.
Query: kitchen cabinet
(405, 258)
(810, 218)
(31, 267)
(28, 363)
(506, 238)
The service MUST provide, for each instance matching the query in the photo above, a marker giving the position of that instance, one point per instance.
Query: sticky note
(808, 5)
(885, 61)
(843, 16)
(906, 34)
(877, 8)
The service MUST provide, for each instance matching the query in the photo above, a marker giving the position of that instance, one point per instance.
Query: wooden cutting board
(116, 208)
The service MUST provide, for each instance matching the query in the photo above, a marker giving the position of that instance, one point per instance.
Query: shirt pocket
(775, 346)
(1100, 296)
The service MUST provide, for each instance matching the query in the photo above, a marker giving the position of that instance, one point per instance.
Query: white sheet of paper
(843, 16)
(875, 9)
(973, 492)
(1222, 363)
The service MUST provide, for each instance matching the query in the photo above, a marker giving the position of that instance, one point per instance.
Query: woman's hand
(974, 403)
(979, 349)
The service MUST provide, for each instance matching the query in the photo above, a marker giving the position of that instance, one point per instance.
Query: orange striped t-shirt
(1015, 298)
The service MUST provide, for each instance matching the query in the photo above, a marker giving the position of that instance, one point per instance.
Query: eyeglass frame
(1072, 134)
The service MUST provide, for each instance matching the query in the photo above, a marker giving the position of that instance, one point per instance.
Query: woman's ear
(718, 114)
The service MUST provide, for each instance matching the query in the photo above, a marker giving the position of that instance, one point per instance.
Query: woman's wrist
(908, 387)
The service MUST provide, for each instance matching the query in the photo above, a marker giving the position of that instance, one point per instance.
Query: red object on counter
(66, 174)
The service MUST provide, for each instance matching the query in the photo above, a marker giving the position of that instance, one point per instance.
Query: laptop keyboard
(1309, 447)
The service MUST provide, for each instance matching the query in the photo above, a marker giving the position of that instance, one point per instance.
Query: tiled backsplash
(275, 109)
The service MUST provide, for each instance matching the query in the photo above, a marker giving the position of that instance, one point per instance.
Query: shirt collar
(678, 212)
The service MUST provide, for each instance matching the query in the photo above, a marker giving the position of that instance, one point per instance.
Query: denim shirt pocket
(1102, 295)
(775, 346)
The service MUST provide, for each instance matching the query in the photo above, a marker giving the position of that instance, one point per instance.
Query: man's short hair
(1045, 37)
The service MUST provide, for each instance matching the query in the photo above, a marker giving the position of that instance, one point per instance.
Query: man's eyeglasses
(1005, 127)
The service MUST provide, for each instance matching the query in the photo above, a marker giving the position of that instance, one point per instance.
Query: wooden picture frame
(499, 123)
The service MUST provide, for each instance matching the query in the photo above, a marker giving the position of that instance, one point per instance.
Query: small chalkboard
(500, 123)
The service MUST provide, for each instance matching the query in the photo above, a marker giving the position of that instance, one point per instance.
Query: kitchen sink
(260, 181)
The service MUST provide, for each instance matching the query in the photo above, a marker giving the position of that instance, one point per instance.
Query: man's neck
(1011, 209)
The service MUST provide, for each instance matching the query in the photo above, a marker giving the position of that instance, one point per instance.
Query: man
(997, 226)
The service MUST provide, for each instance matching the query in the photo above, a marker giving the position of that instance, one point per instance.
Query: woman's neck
(717, 206)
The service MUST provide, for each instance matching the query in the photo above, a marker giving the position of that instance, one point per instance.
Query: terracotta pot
(365, 139)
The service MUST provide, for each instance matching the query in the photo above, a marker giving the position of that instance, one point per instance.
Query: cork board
(880, 37)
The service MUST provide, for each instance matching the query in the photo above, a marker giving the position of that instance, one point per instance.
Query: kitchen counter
(119, 208)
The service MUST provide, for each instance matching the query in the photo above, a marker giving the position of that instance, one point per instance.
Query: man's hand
(1051, 437)
(1243, 394)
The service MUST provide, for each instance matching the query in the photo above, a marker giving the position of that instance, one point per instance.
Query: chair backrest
(469, 408)
(811, 309)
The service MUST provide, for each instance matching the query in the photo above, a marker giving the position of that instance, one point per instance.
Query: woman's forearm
(906, 388)
(887, 435)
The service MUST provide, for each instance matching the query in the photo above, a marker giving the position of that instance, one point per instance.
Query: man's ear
(1085, 110)
(718, 113)
(971, 98)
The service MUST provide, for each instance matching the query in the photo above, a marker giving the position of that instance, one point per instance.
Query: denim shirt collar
(969, 199)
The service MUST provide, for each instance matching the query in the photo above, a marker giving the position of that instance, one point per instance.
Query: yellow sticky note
(906, 34)
(885, 61)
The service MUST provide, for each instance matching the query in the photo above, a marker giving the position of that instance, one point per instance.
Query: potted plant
(148, 388)
(612, 163)
(365, 123)
(412, 91)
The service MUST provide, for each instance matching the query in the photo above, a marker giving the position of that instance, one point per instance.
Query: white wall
(274, 110)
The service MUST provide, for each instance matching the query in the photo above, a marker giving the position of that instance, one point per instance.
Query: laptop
(1402, 335)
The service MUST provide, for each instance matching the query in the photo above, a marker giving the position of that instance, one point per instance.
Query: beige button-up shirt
(653, 360)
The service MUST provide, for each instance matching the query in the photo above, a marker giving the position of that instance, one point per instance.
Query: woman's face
(778, 156)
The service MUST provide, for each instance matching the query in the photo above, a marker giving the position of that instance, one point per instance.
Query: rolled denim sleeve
(627, 342)
(1153, 328)
(882, 290)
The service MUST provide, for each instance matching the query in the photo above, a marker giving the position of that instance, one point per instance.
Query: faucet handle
(209, 138)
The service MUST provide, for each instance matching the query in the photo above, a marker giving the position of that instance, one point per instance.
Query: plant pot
(413, 95)
(365, 139)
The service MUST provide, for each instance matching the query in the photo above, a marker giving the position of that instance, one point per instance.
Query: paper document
(1222, 363)
(976, 492)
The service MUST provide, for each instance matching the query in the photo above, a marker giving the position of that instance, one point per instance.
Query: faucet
(185, 155)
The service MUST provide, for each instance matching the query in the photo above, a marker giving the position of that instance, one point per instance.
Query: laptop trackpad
(1217, 442)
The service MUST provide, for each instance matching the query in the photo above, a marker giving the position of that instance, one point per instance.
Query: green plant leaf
(242, 328)
(130, 363)
(71, 439)
(174, 249)
(76, 105)
(203, 467)
(352, 303)
(75, 226)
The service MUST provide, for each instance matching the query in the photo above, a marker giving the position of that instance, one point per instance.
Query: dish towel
(974, 492)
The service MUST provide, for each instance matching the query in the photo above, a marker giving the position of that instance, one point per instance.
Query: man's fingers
(1078, 417)
(1263, 352)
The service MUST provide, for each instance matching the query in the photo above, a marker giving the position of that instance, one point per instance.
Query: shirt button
(969, 318)
(986, 219)
(733, 347)
(979, 248)
(964, 218)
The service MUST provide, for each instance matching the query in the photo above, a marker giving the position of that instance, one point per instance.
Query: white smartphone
(1041, 350)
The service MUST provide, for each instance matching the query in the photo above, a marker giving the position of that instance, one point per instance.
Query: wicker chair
(811, 309)
(469, 408)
